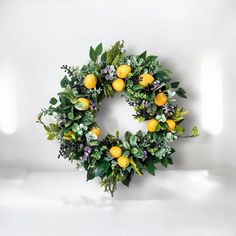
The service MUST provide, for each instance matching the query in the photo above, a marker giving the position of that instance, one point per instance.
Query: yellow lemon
(118, 85)
(90, 81)
(85, 102)
(160, 99)
(145, 79)
(96, 131)
(123, 70)
(152, 125)
(171, 125)
(123, 161)
(115, 151)
(67, 135)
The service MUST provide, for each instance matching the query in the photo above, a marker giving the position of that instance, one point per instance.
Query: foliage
(72, 125)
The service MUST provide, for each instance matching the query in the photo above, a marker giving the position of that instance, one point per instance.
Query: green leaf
(77, 117)
(92, 54)
(139, 154)
(143, 55)
(87, 120)
(104, 56)
(117, 133)
(70, 115)
(79, 106)
(151, 167)
(126, 153)
(98, 49)
(90, 174)
(64, 82)
(134, 151)
(104, 166)
(174, 84)
(51, 136)
(179, 130)
(151, 58)
(157, 137)
(133, 140)
(165, 161)
(126, 145)
(195, 132)
(53, 101)
(127, 135)
(75, 127)
(140, 134)
(182, 90)
(158, 127)
(128, 178)
(181, 94)
(68, 123)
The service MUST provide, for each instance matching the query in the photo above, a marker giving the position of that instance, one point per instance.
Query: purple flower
(84, 158)
(145, 155)
(93, 106)
(168, 110)
(87, 149)
(104, 71)
(147, 104)
(109, 72)
(109, 77)
(156, 84)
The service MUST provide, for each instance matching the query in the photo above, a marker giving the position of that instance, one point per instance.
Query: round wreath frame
(73, 126)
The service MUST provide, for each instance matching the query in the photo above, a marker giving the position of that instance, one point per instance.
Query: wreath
(146, 85)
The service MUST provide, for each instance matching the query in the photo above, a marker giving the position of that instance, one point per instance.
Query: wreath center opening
(116, 114)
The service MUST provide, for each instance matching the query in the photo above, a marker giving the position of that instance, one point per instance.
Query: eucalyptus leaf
(126, 153)
(134, 150)
(64, 82)
(53, 101)
(126, 145)
(133, 140)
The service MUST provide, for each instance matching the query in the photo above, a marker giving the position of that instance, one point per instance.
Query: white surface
(37, 37)
(172, 203)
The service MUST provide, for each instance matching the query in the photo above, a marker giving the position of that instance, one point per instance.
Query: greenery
(75, 107)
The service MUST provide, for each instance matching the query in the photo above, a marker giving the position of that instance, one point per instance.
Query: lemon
(171, 125)
(160, 99)
(67, 135)
(152, 125)
(118, 85)
(85, 102)
(115, 151)
(123, 70)
(123, 161)
(90, 81)
(96, 131)
(145, 79)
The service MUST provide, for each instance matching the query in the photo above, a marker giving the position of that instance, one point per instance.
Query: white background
(196, 40)
(37, 37)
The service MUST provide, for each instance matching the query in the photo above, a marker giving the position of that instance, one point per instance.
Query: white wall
(37, 37)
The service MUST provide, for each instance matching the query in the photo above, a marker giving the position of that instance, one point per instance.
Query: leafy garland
(146, 85)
